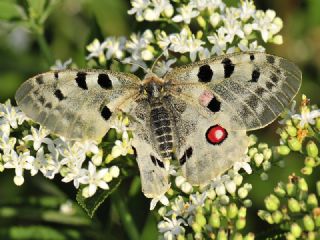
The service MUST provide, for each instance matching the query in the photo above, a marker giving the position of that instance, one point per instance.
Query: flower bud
(277, 216)
(308, 223)
(312, 201)
(278, 39)
(215, 19)
(313, 236)
(302, 184)
(201, 21)
(238, 179)
(186, 187)
(230, 186)
(247, 203)
(283, 150)
(318, 188)
(318, 123)
(252, 152)
(253, 139)
(232, 211)
(196, 227)
(237, 236)
(272, 203)
(214, 220)
(283, 134)
(258, 158)
(223, 211)
(240, 223)
(267, 153)
(249, 236)
(200, 219)
(264, 176)
(290, 236)
(312, 149)
(222, 235)
(242, 192)
(291, 130)
(280, 190)
(291, 189)
(224, 200)
(114, 171)
(296, 230)
(242, 212)
(294, 144)
(294, 205)
(310, 162)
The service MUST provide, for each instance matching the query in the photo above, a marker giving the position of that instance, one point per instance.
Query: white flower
(120, 124)
(94, 179)
(96, 49)
(248, 10)
(179, 207)
(74, 172)
(267, 23)
(245, 165)
(196, 200)
(7, 144)
(163, 40)
(38, 137)
(115, 47)
(253, 46)
(162, 198)
(218, 41)
(171, 227)
(138, 7)
(59, 65)
(11, 115)
(164, 67)
(159, 7)
(19, 163)
(47, 163)
(307, 117)
(187, 12)
(122, 148)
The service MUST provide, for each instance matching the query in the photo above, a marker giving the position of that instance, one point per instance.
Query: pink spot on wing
(205, 98)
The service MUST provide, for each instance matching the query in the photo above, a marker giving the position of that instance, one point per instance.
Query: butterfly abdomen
(161, 126)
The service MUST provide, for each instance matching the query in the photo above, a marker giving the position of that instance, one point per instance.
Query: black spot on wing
(187, 154)
(81, 80)
(59, 95)
(228, 67)
(252, 57)
(255, 75)
(274, 78)
(42, 100)
(156, 161)
(104, 81)
(259, 91)
(270, 59)
(205, 73)
(48, 105)
(56, 75)
(270, 85)
(106, 113)
(214, 105)
(39, 79)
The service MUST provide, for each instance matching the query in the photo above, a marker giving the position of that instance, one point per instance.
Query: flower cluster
(301, 133)
(296, 211)
(26, 147)
(220, 29)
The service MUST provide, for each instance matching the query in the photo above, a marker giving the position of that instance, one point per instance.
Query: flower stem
(125, 216)
(44, 48)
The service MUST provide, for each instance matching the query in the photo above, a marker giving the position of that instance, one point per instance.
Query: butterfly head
(153, 87)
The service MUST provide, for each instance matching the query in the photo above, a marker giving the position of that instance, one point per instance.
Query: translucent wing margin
(253, 87)
(77, 104)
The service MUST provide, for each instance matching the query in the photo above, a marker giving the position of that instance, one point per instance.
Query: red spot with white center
(205, 98)
(216, 134)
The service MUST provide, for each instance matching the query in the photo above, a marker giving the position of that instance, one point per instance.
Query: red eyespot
(216, 134)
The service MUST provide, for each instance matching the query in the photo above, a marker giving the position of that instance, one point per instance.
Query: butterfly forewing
(74, 103)
(254, 88)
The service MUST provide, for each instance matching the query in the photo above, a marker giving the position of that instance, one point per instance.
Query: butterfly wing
(206, 145)
(76, 104)
(252, 88)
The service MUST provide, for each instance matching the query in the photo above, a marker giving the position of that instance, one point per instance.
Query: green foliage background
(33, 209)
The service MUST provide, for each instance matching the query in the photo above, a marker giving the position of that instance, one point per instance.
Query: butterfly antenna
(131, 63)
(160, 56)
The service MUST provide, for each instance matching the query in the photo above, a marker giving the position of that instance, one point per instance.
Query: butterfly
(195, 117)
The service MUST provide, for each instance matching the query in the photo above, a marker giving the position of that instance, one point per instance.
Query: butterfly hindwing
(76, 104)
(253, 88)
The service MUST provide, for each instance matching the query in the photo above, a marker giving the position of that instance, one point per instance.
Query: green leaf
(11, 11)
(90, 205)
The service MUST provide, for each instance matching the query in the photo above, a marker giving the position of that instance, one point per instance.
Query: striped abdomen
(162, 129)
